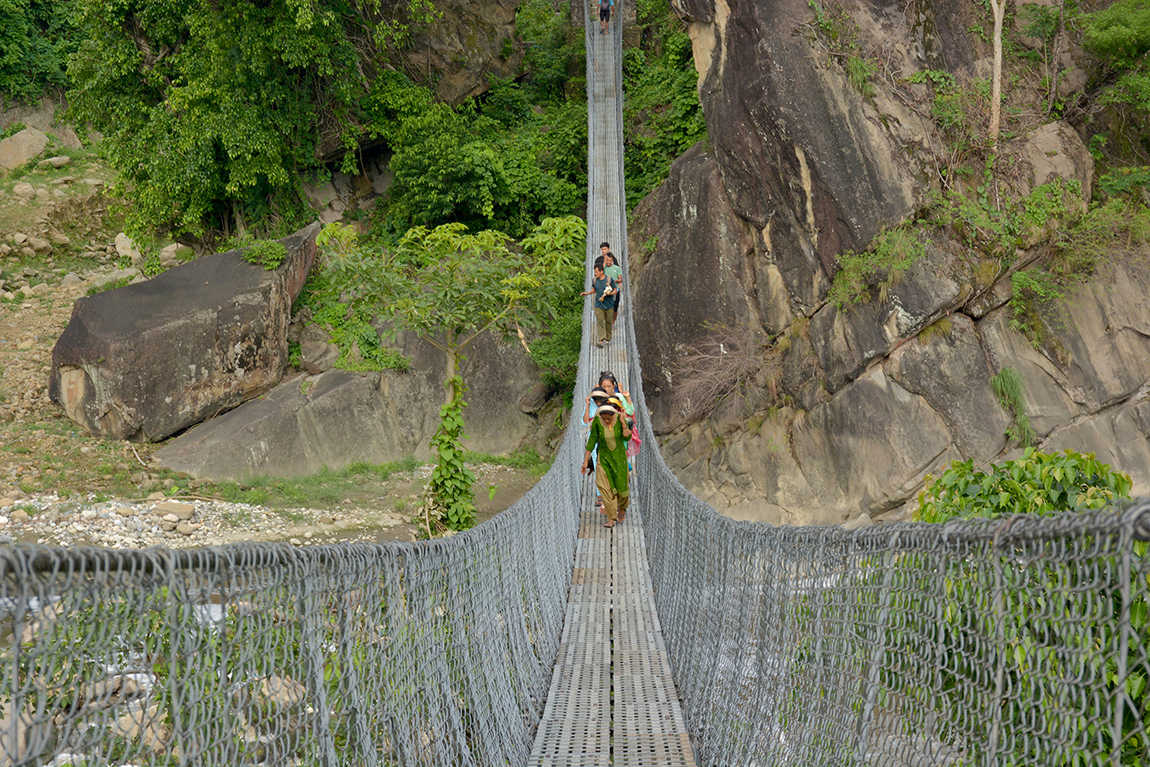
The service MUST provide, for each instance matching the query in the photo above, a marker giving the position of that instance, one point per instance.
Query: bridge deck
(612, 699)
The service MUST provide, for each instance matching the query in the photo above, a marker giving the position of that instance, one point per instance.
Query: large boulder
(303, 425)
(338, 418)
(148, 360)
(21, 147)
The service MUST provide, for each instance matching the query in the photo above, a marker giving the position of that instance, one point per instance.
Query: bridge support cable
(612, 699)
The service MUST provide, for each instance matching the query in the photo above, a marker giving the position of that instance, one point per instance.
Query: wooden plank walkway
(612, 699)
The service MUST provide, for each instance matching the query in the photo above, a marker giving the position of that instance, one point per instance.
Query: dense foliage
(1120, 37)
(212, 110)
(662, 112)
(1035, 483)
(36, 37)
(500, 165)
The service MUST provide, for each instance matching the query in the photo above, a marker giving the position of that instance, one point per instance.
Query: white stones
(125, 247)
(171, 518)
(89, 514)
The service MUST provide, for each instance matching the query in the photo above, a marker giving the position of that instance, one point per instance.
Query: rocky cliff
(836, 410)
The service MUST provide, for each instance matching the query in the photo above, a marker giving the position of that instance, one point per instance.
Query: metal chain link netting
(430, 653)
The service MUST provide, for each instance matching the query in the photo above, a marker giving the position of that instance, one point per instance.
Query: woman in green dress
(610, 434)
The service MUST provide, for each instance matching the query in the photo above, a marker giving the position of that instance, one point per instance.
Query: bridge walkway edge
(612, 699)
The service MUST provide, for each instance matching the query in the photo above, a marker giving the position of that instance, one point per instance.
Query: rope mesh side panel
(436, 653)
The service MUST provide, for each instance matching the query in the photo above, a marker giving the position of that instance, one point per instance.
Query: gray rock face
(467, 44)
(337, 418)
(950, 371)
(868, 447)
(797, 144)
(696, 269)
(929, 401)
(802, 168)
(21, 147)
(145, 361)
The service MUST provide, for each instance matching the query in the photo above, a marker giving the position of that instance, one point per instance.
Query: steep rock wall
(852, 407)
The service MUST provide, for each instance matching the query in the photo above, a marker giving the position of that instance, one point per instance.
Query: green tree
(449, 286)
(211, 110)
(36, 37)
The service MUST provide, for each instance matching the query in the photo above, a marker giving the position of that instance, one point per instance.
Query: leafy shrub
(11, 129)
(1050, 625)
(1036, 483)
(1032, 291)
(266, 253)
(348, 331)
(1124, 181)
(1099, 237)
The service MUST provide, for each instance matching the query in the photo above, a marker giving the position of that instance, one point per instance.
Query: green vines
(450, 493)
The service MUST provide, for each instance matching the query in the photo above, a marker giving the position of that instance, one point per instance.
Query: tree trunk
(452, 354)
(998, 8)
(1056, 56)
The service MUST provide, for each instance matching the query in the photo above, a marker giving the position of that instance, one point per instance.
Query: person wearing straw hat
(609, 437)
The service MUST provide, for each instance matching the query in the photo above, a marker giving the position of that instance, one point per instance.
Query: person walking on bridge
(609, 437)
(603, 288)
(605, 8)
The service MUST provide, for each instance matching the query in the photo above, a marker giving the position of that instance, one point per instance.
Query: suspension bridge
(542, 638)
